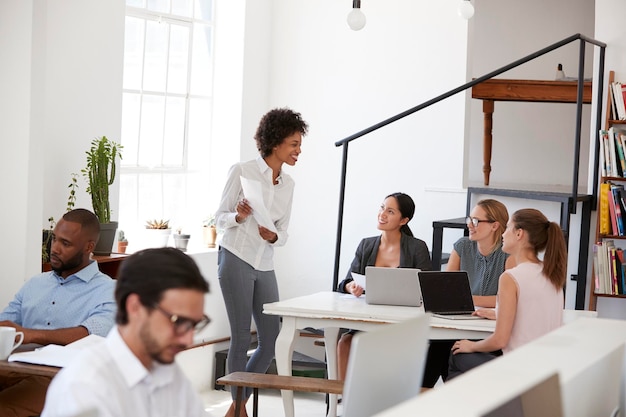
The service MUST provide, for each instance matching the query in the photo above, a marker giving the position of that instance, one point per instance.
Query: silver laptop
(447, 294)
(392, 286)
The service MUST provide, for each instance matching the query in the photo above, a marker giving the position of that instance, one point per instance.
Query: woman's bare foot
(242, 411)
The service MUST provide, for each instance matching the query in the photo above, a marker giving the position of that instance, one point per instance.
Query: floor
(306, 404)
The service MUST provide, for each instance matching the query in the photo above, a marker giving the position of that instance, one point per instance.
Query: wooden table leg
(488, 106)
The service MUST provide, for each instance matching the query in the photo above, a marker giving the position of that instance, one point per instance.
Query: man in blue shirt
(58, 307)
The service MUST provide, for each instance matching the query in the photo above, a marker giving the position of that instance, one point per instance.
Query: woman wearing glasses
(481, 255)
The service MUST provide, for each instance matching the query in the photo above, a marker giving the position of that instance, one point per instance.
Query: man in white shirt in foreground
(160, 298)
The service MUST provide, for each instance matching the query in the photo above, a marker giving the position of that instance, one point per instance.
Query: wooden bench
(270, 381)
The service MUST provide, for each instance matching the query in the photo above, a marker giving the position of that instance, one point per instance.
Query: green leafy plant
(73, 186)
(121, 237)
(100, 174)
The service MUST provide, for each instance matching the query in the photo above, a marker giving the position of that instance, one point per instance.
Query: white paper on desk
(56, 355)
(359, 279)
(254, 194)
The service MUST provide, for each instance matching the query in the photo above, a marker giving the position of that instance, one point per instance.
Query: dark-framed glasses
(475, 221)
(182, 324)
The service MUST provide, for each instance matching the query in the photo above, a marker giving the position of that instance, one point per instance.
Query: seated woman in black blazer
(394, 248)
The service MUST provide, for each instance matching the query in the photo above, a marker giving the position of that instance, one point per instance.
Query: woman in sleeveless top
(530, 296)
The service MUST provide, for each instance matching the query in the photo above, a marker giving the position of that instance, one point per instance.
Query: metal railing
(579, 103)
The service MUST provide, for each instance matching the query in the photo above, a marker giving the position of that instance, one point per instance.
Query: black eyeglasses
(183, 324)
(475, 222)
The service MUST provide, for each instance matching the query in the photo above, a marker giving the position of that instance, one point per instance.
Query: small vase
(209, 234)
(181, 241)
(121, 247)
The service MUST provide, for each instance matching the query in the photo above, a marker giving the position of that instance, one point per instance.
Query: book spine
(618, 210)
(612, 215)
(605, 228)
(614, 171)
(607, 156)
(601, 156)
(620, 154)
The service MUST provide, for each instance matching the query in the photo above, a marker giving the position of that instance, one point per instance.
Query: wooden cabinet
(108, 264)
(608, 122)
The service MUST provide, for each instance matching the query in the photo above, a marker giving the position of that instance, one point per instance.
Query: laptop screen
(446, 291)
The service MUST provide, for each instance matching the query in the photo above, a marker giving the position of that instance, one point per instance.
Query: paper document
(254, 194)
(55, 355)
(359, 279)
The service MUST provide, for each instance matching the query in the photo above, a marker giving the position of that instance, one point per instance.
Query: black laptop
(447, 294)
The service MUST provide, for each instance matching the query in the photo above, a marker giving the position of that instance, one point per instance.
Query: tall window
(167, 103)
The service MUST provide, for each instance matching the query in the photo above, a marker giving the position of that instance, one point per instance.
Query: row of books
(609, 268)
(617, 93)
(612, 209)
(613, 152)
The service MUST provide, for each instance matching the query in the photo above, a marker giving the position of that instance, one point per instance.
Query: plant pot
(181, 241)
(104, 246)
(158, 238)
(121, 247)
(209, 235)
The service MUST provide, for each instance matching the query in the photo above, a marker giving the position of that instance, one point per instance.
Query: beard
(156, 352)
(74, 262)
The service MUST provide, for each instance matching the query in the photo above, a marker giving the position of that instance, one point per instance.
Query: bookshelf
(619, 239)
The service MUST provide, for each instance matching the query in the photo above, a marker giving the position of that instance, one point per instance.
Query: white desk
(331, 311)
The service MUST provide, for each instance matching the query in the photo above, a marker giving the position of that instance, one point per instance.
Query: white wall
(20, 181)
(61, 86)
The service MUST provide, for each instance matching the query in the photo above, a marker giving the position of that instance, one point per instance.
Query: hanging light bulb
(356, 18)
(466, 10)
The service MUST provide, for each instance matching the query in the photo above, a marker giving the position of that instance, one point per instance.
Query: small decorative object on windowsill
(161, 231)
(122, 243)
(181, 240)
(209, 232)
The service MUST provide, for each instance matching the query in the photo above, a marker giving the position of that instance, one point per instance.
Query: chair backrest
(386, 367)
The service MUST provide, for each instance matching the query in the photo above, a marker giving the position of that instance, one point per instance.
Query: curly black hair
(275, 126)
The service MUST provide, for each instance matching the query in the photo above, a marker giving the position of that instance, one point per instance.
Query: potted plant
(209, 232)
(122, 242)
(161, 231)
(100, 174)
(181, 240)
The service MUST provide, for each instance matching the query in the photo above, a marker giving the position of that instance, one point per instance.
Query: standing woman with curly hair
(530, 295)
(245, 258)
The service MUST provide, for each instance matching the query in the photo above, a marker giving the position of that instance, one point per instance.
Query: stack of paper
(55, 355)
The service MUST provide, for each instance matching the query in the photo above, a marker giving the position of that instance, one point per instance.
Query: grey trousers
(245, 290)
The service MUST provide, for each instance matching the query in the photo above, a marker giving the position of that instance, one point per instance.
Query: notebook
(392, 286)
(447, 294)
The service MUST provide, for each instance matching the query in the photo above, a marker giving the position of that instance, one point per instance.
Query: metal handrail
(579, 103)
